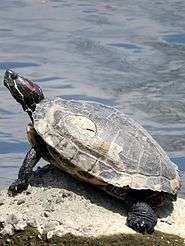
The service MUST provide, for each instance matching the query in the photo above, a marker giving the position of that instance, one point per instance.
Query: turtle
(97, 144)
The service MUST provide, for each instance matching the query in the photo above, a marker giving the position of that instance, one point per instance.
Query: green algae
(30, 237)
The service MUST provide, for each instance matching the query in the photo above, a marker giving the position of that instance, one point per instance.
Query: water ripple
(11, 65)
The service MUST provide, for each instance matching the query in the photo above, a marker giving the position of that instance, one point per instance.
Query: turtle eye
(14, 76)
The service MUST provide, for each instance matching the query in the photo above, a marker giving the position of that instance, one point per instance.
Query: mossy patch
(30, 237)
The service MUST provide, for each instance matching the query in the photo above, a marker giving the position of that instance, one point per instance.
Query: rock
(62, 205)
(29, 190)
(20, 226)
(49, 207)
(7, 230)
(12, 219)
(51, 225)
(2, 200)
(59, 199)
(8, 240)
(66, 194)
(50, 234)
(32, 222)
(40, 229)
(20, 201)
(46, 214)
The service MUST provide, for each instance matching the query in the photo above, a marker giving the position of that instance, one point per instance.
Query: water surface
(128, 54)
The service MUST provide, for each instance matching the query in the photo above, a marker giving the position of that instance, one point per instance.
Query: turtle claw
(141, 226)
(17, 186)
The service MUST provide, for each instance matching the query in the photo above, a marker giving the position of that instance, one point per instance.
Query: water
(129, 54)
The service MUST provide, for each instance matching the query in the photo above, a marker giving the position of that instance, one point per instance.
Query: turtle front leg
(142, 218)
(25, 172)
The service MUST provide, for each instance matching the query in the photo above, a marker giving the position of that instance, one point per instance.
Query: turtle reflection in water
(97, 144)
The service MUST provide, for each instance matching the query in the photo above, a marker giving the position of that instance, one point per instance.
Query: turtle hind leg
(142, 218)
(25, 172)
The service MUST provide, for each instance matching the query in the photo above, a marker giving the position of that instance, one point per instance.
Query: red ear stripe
(30, 87)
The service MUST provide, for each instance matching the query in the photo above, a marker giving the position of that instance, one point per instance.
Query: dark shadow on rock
(52, 177)
(166, 209)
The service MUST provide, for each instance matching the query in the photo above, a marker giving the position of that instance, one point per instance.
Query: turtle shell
(105, 144)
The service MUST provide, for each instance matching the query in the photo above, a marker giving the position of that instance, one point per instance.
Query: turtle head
(27, 93)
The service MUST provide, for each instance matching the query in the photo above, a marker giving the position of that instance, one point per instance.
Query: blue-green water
(129, 54)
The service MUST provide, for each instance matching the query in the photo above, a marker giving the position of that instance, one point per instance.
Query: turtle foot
(142, 218)
(17, 186)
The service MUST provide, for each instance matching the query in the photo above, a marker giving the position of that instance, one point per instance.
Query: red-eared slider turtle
(97, 144)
